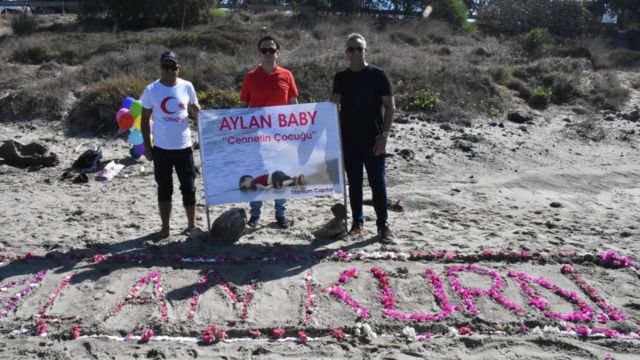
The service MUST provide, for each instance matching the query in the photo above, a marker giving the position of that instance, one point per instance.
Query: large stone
(519, 118)
(228, 227)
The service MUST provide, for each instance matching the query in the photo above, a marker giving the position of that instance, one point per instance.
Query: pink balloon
(121, 112)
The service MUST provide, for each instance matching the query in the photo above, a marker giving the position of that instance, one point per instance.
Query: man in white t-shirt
(171, 100)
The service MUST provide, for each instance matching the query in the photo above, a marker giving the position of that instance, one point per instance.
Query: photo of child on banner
(277, 152)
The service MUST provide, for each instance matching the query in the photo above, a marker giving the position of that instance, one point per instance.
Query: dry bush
(588, 130)
(47, 99)
(24, 24)
(140, 61)
(72, 49)
(99, 102)
(607, 91)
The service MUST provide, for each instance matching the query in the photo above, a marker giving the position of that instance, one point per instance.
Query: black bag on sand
(89, 159)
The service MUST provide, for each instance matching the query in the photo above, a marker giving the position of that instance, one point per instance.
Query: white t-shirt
(170, 115)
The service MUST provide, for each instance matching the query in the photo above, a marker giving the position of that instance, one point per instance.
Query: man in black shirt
(365, 97)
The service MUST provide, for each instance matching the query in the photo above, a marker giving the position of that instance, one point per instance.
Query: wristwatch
(385, 134)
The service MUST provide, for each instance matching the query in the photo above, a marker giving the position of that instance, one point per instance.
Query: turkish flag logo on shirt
(171, 103)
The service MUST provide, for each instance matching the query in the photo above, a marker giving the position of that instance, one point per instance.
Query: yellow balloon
(137, 122)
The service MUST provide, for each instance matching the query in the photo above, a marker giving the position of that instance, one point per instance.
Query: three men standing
(268, 85)
(365, 98)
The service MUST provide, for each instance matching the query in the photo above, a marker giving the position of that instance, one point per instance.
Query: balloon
(133, 153)
(120, 113)
(135, 137)
(125, 120)
(126, 103)
(137, 123)
(139, 149)
(136, 108)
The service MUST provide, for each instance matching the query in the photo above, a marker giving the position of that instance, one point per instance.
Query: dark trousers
(359, 153)
(163, 163)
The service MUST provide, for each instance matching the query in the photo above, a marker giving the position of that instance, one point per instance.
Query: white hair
(356, 36)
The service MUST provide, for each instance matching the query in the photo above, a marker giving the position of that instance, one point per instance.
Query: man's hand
(193, 110)
(148, 154)
(380, 145)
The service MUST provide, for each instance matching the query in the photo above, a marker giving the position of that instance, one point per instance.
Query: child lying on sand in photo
(276, 180)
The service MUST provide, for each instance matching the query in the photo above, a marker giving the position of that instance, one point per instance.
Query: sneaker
(283, 222)
(385, 233)
(356, 229)
(253, 221)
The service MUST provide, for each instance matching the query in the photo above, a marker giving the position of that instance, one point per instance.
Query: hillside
(500, 158)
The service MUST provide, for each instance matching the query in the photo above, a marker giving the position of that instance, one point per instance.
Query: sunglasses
(172, 67)
(354, 49)
(268, 50)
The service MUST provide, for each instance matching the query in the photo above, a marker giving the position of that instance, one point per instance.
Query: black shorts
(163, 163)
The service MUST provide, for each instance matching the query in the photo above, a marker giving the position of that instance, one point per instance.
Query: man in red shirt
(268, 85)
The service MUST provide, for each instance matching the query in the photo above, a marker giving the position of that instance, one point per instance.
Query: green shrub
(314, 79)
(535, 42)
(563, 18)
(213, 98)
(452, 11)
(217, 14)
(24, 24)
(100, 102)
(540, 97)
(424, 100)
(563, 87)
(147, 13)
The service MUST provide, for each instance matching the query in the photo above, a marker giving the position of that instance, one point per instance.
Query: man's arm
(381, 141)
(194, 108)
(146, 132)
(293, 100)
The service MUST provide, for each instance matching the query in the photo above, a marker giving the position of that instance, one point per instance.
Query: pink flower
(583, 331)
(612, 259)
(75, 331)
(41, 327)
(99, 258)
(128, 337)
(562, 254)
(302, 337)
(347, 275)
(278, 333)
(566, 269)
(210, 335)
(425, 336)
(338, 334)
(256, 334)
(146, 336)
(486, 252)
(465, 330)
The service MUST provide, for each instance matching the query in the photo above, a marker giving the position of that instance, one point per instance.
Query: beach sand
(527, 190)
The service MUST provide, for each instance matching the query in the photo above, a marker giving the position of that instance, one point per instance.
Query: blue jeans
(279, 205)
(359, 153)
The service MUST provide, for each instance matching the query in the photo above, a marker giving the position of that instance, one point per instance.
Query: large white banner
(277, 152)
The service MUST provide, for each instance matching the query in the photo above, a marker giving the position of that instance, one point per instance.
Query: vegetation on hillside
(449, 72)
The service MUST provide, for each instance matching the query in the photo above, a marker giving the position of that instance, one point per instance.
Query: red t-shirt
(260, 89)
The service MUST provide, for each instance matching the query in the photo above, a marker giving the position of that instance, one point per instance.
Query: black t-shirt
(361, 95)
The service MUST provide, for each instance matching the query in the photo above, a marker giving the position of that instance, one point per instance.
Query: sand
(496, 196)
